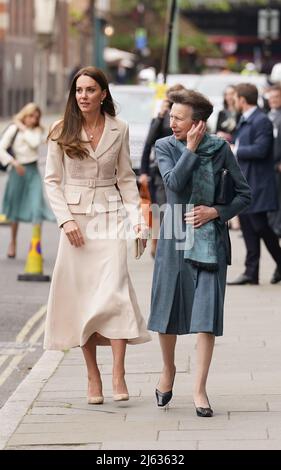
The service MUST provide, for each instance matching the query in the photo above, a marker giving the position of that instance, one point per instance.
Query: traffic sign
(140, 39)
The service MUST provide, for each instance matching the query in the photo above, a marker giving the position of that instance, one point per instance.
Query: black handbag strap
(9, 148)
(13, 139)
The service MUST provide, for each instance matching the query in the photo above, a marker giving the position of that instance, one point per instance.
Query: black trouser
(275, 217)
(254, 228)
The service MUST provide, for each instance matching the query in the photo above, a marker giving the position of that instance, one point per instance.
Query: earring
(101, 102)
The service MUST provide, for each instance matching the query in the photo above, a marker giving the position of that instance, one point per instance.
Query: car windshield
(133, 106)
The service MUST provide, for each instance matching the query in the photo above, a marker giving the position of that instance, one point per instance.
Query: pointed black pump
(204, 412)
(163, 398)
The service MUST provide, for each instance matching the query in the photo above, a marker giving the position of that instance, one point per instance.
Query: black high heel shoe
(204, 412)
(163, 398)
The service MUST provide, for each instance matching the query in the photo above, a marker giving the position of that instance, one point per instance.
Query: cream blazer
(77, 186)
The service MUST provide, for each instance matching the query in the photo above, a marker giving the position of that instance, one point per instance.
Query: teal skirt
(23, 198)
(207, 312)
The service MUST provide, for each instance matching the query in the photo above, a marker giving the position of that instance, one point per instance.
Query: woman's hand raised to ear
(195, 135)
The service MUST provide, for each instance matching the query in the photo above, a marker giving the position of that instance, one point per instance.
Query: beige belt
(91, 183)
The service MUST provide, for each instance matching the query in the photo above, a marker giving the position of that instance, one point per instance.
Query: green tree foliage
(126, 19)
(201, 43)
(221, 5)
(158, 6)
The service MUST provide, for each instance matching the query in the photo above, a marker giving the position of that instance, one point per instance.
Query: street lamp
(166, 56)
(268, 29)
(109, 30)
(44, 21)
(100, 12)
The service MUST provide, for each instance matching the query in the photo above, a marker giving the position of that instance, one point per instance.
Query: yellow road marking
(36, 335)
(12, 352)
(30, 323)
(10, 368)
(20, 339)
(3, 359)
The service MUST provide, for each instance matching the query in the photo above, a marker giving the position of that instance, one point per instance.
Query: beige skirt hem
(101, 341)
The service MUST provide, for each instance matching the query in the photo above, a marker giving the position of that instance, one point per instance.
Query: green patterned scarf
(200, 247)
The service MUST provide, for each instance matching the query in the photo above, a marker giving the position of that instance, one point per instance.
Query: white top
(25, 145)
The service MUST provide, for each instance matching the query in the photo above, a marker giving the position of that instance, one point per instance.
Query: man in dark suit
(253, 149)
(274, 100)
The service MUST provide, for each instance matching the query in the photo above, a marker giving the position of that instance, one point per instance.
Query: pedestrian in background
(189, 275)
(253, 149)
(227, 122)
(23, 198)
(90, 181)
(149, 173)
(274, 99)
(228, 117)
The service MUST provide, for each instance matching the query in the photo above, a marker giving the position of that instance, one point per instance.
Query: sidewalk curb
(21, 400)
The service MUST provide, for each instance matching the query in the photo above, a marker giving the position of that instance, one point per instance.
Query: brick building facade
(19, 51)
(16, 52)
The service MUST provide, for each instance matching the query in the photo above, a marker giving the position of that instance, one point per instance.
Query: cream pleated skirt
(91, 290)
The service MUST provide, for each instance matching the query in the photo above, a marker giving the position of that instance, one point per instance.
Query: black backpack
(10, 148)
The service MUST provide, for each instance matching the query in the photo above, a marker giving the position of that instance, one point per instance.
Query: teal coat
(174, 280)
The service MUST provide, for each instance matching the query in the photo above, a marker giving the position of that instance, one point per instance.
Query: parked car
(135, 105)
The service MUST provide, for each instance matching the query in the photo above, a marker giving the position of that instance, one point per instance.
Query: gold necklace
(90, 133)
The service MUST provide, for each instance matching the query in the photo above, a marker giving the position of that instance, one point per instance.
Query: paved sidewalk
(49, 409)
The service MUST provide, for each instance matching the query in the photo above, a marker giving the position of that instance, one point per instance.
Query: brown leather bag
(146, 204)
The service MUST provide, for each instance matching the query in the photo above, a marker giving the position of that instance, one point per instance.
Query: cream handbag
(139, 247)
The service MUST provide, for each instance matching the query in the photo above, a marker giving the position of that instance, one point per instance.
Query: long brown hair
(67, 133)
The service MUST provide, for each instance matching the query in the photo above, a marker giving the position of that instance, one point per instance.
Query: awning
(113, 56)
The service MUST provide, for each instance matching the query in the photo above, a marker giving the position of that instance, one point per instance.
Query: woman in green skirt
(19, 148)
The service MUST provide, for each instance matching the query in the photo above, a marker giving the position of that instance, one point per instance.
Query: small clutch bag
(139, 247)
(225, 190)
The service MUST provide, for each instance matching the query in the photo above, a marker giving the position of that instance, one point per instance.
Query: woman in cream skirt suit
(92, 188)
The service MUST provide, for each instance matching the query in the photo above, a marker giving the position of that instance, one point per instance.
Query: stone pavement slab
(49, 409)
(159, 445)
(56, 447)
(244, 444)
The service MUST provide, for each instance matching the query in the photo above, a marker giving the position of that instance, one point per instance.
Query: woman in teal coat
(194, 246)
